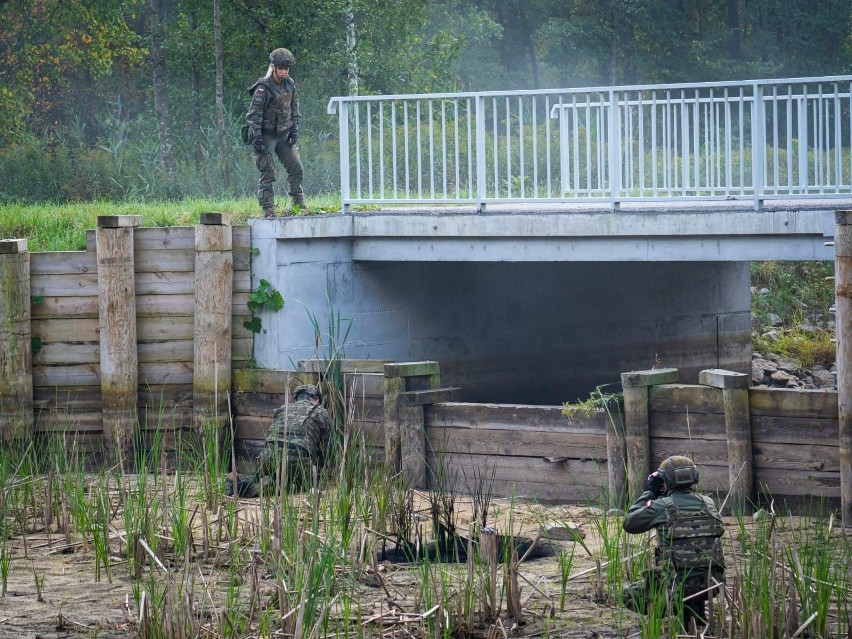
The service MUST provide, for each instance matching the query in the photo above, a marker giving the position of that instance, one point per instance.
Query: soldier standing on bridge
(273, 127)
(300, 430)
(689, 549)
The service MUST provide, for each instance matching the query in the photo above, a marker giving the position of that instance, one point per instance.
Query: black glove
(258, 145)
(293, 138)
(654, 484)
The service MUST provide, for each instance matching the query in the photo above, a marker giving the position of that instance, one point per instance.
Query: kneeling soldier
(300, 430)
(689, 550)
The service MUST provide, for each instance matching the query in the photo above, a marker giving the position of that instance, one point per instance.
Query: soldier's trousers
(289, 158)
(640, 595)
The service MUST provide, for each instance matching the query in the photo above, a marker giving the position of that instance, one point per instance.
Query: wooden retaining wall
(257, 393)
(68, 325)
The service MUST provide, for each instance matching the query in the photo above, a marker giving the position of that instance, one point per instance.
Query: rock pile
(773, 371)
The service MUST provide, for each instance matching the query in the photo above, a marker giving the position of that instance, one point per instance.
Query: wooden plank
(242, 236)
(701, 451)
(52, 353)
(251, 427)
(16, 382)
(364, 384)
(164, 328)
(50, 421)
(180, 305)
(718, 378)
(66, 330)
(64, 285)
(60, 262)
(807, 483)
(171, 351)
(13, 246)
(795, 458)
(181, 259)
(793, 402)
(346, 365)
(165, 396)
(794, 431)
(215, 219)
(373, 432)
(685, 425)
(525, 477)
(680, 397)
(518, 443)
(412, 369)
(158, 238)
(118, 221)
(511, 417)
(256, 380)
(156, 373)
(636, 432)
(70, 375)
(59, 400)
(241, 348)
(430, 396)
(653, 377)
(53, 306)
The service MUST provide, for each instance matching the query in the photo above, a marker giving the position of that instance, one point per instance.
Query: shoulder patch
(648, 504)
(260, 89)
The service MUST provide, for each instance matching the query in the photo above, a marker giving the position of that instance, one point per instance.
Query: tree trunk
(220, 101)
(524, 24)
(734, 33)
(351, 56)
(161, 95)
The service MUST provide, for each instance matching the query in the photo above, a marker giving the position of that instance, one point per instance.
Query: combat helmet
(678, 472)
(309, 391)
(282, 58)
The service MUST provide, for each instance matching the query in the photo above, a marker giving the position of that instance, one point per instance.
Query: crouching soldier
(689, 557)
(300, 431)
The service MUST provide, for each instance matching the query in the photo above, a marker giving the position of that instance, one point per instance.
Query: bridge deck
(647, 231)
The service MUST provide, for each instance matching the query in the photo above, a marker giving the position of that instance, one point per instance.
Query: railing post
(843, 283)
(117, 321)
(214, 275)
(343, 126)
(734, 387)
(636, 429)
(614, 147)
(16, 368)
(758, 146)
(481, 185)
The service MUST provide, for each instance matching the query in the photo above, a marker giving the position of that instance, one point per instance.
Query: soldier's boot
(269, 213)
(299, 200)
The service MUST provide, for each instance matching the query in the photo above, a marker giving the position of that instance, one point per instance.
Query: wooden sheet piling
(843, 284)
(117, 322)
(734, 387)
(635, 385)
(16, 369)
(214, 274)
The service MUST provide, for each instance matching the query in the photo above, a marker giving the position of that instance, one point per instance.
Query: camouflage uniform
(688, 548)
(300, 429)
(273, 116)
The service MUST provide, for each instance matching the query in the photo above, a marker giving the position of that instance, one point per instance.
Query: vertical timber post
(117, 321)
(734, 388)
(16, 367)
(214, 276)
(393, 386)
(408, 387)
(843, 283)
(616, 462)
(637, 437)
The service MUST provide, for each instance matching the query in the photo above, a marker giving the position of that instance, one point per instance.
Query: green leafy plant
(263, 297)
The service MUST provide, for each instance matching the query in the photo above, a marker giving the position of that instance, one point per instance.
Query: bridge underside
(528, 306)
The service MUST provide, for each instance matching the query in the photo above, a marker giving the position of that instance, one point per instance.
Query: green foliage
(265, 296)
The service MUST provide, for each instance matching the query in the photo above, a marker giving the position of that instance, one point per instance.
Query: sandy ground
(73, 604)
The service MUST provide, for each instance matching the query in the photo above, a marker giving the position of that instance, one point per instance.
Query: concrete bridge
(539, 244)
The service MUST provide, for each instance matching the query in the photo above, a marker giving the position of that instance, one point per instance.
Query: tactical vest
(692, 541)
(278, 114)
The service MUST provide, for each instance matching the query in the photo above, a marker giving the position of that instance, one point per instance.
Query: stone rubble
(773, 371)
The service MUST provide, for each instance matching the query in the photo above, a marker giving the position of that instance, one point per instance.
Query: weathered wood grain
(521, 443)
(510, 417)
(682, 398)
(525, 477)
(778, 402)
(61, 262)
(16, 384)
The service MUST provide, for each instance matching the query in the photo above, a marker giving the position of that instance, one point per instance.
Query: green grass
(62, 227)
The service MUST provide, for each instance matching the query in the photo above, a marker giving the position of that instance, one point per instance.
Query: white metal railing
(757, 140)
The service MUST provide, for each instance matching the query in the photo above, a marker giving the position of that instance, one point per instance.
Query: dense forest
(142, 99)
